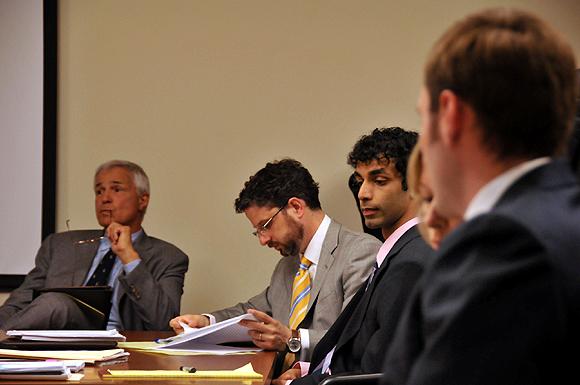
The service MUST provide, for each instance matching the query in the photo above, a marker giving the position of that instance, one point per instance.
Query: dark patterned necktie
(101, 275)
(372, 275)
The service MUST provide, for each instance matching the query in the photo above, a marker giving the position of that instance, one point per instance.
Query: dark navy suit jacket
(501, 302)
(366, 326)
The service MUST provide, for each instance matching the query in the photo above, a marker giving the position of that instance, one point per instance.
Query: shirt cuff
(304, 367)
(211, 318)
(131, 266)
(304, 343)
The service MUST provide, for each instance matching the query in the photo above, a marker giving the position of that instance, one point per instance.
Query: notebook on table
(60, 339)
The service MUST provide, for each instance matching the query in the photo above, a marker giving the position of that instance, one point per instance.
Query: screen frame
(49, 150)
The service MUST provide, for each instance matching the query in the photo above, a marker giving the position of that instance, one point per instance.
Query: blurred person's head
(574, 147)
(499, 89)
(433, 227)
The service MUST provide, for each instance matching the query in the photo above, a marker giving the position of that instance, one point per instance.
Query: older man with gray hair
(146, 274)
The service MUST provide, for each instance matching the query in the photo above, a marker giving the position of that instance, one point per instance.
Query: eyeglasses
(264, 228)
(83, 241)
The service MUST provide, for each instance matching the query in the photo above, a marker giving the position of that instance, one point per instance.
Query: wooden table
(262, 362)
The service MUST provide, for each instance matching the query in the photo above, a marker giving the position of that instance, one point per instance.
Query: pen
(188, 369)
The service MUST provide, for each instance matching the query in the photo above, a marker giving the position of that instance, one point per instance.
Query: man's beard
(291, 245)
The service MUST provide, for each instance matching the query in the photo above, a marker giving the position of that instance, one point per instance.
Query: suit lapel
(84, 254)
(142, 246)
(355, 322)
(358, 314)
(291, 270)
(324, 263)
(329, 340)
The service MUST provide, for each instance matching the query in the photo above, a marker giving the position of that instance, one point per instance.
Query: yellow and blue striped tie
(300, 294)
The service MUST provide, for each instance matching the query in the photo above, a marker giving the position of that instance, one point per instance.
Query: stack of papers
(87, 356)
(90, 346)
(42, 370)
(211, 339)
(61, 339)
(67, 335)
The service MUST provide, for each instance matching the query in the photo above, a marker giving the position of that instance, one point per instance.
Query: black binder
(94, 301)
(18, 344)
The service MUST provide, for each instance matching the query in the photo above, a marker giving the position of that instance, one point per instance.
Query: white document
(88, 356)
(42, 377)
(186, 328)
(67, 335)
(227, 331)
(15, 366)
(212, 350)
(32, 367)
(74, 365)
(40, 370)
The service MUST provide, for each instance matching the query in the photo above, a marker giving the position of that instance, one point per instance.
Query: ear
(143, 202)
(297, 206)
(451, 117)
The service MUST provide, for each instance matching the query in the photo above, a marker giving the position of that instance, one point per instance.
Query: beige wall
(203, 93)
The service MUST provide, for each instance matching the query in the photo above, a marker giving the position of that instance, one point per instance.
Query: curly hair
(391, 144)
(274, 184)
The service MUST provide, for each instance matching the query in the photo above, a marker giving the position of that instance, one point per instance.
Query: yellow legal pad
(246, 372)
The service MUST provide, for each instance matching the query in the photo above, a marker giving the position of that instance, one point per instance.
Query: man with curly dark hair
(357, 341)
(324, 263)
(384, 151)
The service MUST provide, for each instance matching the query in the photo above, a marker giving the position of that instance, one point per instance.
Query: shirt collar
(312, 252)
(490, 194)
(393, 238)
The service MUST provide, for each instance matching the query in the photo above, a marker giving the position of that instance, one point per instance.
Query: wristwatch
(293, 343)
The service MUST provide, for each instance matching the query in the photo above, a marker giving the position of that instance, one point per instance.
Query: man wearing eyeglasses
(322, 267)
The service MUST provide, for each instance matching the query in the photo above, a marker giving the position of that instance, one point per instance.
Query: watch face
(294, 344)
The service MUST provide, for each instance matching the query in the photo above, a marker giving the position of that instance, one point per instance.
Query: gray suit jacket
(149, 296)
(346, 260)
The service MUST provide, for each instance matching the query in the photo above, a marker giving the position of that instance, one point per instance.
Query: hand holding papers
(209, 339)
(186, 328)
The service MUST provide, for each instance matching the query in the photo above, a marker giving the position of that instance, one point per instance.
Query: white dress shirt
(489, 195)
